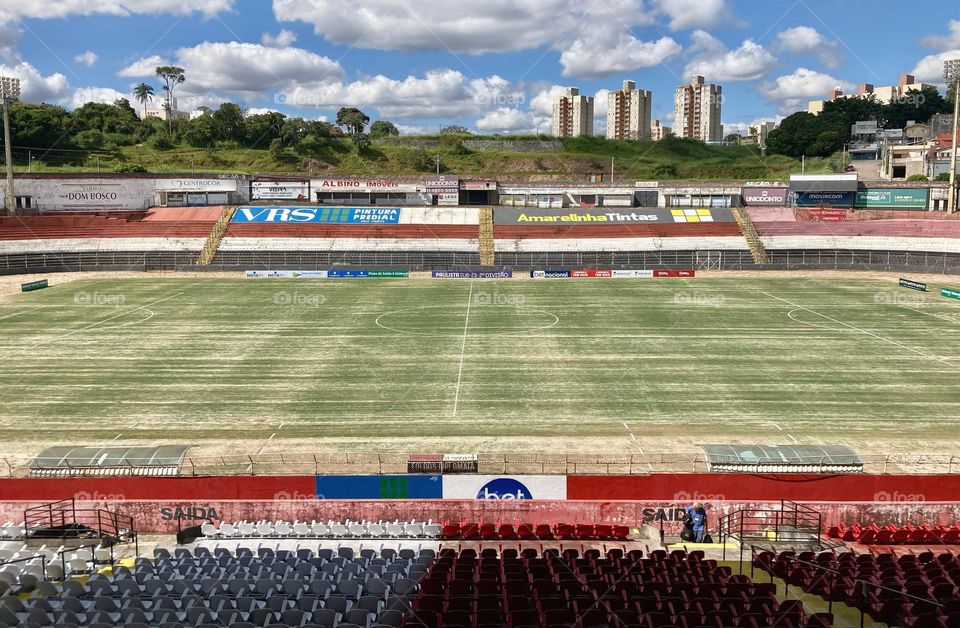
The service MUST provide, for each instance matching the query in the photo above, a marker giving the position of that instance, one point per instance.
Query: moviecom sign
(342, 215)
(596, 217)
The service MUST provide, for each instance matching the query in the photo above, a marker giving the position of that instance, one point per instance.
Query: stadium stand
(913, 590)
(896, 535)
(602, 238)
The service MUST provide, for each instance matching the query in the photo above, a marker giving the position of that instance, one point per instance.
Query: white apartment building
(658, 131)
(628, 113)
(697, 108)
(573, 114)
(156, 109)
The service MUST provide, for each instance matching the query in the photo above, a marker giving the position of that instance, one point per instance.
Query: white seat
(227, 530)
(54, 571)
(375, 529)
(319, 529)
(413, 529)
(77, 565)
(358, 529)
(282, 528)
(394, 529)
(432, 530)
(264, 528)
(245, 528)
(301, 529)
(339, 530)
(208, 529)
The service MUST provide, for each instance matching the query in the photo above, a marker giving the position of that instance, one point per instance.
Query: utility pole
(951, 72)
(9, 92)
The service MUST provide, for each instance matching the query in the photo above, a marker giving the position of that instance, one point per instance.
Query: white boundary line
(862, 331)
(463, 349)
(21, 313)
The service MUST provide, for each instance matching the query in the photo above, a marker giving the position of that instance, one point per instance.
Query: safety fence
(350, 463)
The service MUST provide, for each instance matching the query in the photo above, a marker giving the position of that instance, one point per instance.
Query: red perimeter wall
(155, 503)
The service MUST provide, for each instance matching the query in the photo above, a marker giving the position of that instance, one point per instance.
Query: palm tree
(143, 93)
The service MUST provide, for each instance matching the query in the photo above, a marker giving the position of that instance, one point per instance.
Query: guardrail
(333, 463)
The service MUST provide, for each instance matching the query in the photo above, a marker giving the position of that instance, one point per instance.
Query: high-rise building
(628, 113)
(658, 131)
(573, 114)
(697, 108)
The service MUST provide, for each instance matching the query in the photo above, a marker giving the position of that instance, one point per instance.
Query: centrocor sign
(196, 185)
(505, 487)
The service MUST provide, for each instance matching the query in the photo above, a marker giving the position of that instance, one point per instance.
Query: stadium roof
(783, 458)
(67, 461)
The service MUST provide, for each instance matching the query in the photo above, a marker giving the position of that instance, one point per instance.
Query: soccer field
(247, 366)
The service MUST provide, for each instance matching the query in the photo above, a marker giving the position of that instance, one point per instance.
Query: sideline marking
(21, 313)
(862, 331)
(463, 348)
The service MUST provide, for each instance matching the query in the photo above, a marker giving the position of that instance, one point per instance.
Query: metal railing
(826, 572)
(64, 517)
(791, 522)
(372, 463)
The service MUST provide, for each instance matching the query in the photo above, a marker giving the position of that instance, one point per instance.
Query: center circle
(450, 320)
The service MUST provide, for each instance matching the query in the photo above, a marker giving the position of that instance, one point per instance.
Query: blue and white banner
(341, 215)
(505, 487)
(286, 274)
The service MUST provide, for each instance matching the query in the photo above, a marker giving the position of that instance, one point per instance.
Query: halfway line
(463, 348)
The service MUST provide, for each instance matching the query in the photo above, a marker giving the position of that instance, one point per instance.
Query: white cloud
(88, 58)
(930, 68)
(542, 102)
(792, 91)
(243, 68)
(257, 111)
(283, 39)
(474, 26)
(943, 42)
(749, 62)
(439, 94)
(417, 129)
(145, 66)
(513, 121)
(105, 95)
(687, 14)
(34, 87)
(12, 10)
(601, 53)
(802, 40)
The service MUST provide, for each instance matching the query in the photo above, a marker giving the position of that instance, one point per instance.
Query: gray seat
(337, 603)
(326, 617)
(391, 618)
(359, 616)
(295, 617)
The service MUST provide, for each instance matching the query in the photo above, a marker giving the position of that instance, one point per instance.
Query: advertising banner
(821, 214)
(472, 274)
(549, 274)
(346, 274)
(34, 285)
(600, 216)
(443, 182)
(633, 274)
(764, 196)
(342, 215)
(505, 487)
(361, 185)
(674, 273)
(286, 274)
(280, 190)
(388, 273)
(950, 293)
(913, 285)
(887, 198)
(815, 199)
(591, 274)
(196, 185)
(379, 487)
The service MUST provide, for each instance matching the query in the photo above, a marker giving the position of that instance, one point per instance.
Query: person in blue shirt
(696, 521)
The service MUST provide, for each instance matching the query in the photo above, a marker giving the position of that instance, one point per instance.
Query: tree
(171, 76)
(795, 135)
(228, 122)
(200, 132)
(454, 129)
(383, 128)
(916, 105)
(354, 120)
(143, 93)
(261, 129)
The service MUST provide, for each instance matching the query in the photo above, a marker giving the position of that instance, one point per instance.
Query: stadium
(296, 412)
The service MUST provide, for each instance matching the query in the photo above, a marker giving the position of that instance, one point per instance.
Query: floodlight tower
(951, 73)
(9, 92)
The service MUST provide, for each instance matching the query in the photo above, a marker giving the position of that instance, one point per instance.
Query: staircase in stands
(216, 236)
(486, 236)
(750, 233)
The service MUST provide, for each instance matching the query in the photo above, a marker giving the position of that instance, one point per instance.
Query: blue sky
(490, 65)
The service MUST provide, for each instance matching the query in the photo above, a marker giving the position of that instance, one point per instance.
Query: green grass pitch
(247, 366)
